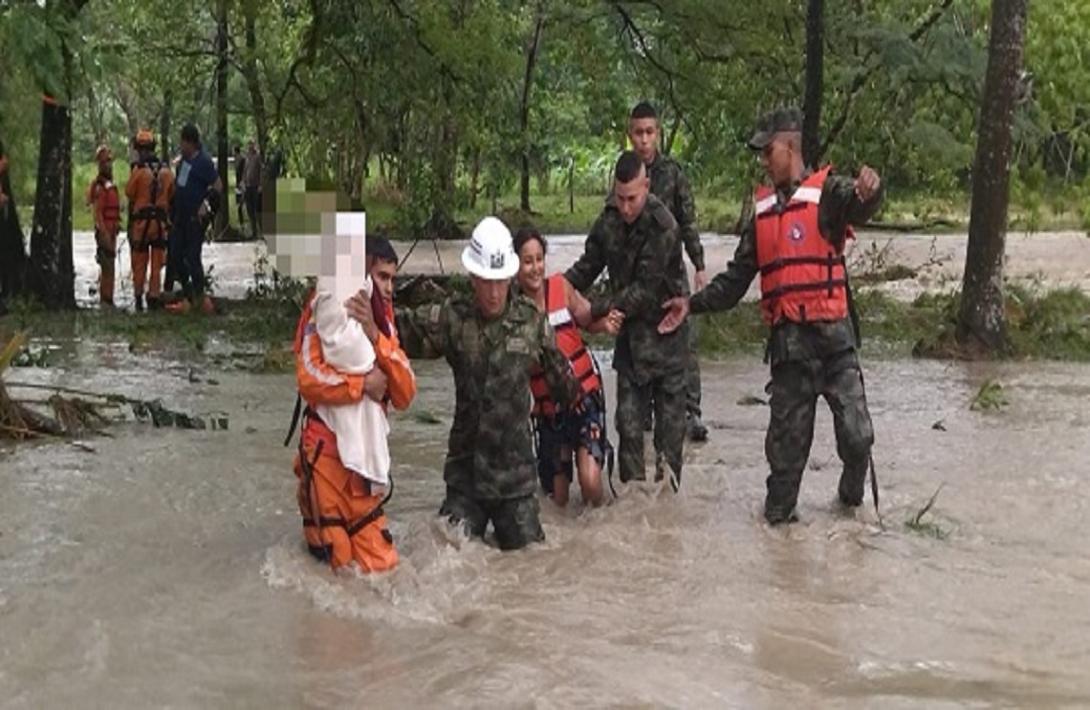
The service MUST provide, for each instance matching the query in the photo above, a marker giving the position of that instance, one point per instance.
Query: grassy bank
(1045, 325)
(252, 334)
(255, 334)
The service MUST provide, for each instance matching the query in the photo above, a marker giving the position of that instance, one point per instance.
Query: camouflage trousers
(667, 392)
(794, 391)
(692, 380)
(515, 520)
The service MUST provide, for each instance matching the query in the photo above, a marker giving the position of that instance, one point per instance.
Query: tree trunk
(253, 80)
(524, 108)
(52, 272)
(13, 259)
(981, 319)
(815, 67)
(224, 215)
(165, 119)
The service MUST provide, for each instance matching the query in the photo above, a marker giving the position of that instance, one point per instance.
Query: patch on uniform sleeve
(518, 345)
(664, 218)
(434, 313)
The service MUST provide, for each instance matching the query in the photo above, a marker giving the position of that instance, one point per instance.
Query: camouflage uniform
(808, 360)
(490, 470)
(649, 365)
(670, 185)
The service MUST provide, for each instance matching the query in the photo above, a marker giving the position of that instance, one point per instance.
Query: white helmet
(491, 253)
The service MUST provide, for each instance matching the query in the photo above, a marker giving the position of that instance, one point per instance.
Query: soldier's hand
(867, 183)
(374, 384)
(677, 308)
(359, 310)
(700, 280)
(614, 321)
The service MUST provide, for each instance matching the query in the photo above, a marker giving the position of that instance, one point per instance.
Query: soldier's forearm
(694, 248)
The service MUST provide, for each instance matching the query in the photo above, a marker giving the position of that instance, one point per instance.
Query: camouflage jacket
(489, 452)
(643, 261)
(669, 184)
(793, 341)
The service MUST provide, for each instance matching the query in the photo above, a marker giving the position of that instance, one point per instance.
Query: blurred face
(3, 164)
(188, 149)
(382, 275)
(631, 196)
(779, 159)
(531, 274)
(106, 166)
(644, 134)
(491, 296)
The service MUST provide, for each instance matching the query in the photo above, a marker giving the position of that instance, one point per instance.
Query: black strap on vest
(777, 264)
(795, 288)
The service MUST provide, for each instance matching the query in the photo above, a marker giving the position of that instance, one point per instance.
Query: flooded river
(1057, 258)
(167, 569)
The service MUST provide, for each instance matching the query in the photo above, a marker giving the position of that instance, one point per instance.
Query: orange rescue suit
(343, 520)
(105, 203)
(570, 342)
(150, 190)
(803, 277)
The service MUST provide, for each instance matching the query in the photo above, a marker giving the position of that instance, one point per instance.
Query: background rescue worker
(795, 240)
(105, 202)
(669, 184)
(578, 432)
(636, 238)
(150, 191)
(251, 178)
(343, 516)
(196, 195)
(492, 342)
(240, 190)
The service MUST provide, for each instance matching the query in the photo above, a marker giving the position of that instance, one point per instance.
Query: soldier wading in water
(493, 341)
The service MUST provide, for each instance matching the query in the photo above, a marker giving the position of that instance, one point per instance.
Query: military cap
(782, 120)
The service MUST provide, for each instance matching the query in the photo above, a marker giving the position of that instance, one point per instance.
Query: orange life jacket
(318, 382)
(803, 277)
(107, 202)
(570, 342)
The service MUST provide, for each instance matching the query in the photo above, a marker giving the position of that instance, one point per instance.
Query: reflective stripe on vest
(319, 383)
(802, 275)
(570, 342)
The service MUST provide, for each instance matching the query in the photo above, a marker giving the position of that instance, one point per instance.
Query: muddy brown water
(166, 568)
(1056, 258)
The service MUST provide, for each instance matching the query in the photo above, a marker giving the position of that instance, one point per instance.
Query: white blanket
(361, 428)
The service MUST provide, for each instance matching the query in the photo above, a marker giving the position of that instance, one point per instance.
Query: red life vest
(569, 342)
(802, 274)
(109, 202)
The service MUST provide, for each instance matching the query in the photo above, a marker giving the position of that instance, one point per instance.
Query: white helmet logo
(497, 260)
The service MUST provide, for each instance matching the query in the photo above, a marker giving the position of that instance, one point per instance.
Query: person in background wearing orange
(150, 190)
(105, 202)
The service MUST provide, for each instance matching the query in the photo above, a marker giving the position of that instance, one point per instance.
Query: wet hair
(527, 234)
(643, 109)
(380, 248)
(190, 134)
(628, 167)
